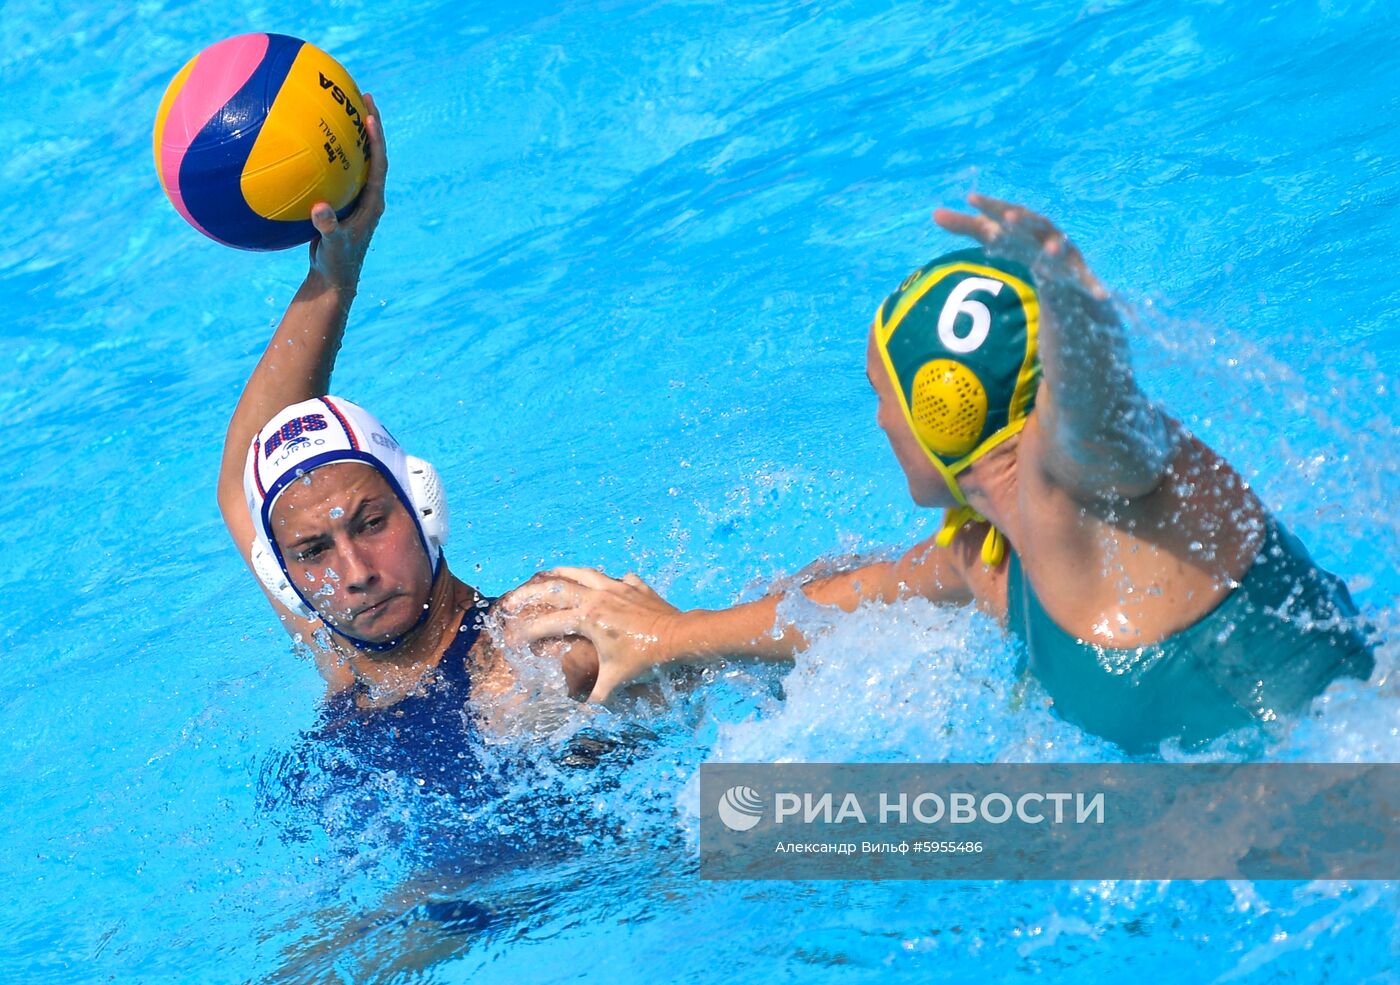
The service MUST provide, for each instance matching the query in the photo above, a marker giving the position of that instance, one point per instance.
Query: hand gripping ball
(255, 130)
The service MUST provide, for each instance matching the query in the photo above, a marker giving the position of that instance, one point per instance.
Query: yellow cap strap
(993, 546)
(953, 521)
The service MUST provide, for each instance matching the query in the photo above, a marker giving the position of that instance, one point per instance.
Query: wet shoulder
(1126, 572)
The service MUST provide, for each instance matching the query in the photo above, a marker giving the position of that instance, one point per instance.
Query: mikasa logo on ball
(351, 110)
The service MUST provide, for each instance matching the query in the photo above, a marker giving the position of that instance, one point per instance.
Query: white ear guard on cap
(324, 431)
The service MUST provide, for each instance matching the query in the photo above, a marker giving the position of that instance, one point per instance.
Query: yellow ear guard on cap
(948, 408)
(959, 340)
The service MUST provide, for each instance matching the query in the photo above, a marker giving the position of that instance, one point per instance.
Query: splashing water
(620, 296)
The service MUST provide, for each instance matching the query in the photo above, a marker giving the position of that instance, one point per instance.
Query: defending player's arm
(635, 630)
(297, 363)
(1104, 436)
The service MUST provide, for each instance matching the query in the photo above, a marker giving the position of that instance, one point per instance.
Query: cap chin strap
(957, 517)
(954, 519)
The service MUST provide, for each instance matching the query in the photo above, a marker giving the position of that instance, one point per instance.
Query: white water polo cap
(325, 431)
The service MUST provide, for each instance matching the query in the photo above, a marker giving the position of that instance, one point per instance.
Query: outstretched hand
(631, 626)
(339, 252)
(1100, 434)
(1015, 232)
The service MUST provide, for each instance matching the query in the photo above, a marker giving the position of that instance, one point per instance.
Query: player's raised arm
(298, 361)
(1105, 436)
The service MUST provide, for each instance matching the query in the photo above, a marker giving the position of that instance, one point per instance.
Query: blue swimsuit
(428, 735)
(1269, 647)
(417, 778)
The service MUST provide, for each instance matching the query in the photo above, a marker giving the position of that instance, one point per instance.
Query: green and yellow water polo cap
(959, 340)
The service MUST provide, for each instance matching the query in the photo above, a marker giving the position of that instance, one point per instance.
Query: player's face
(925, 484)
(353, 550)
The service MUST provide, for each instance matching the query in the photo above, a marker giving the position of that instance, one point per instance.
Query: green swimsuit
(1271, 645)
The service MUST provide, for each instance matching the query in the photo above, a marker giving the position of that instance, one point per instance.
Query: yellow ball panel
(313, 146)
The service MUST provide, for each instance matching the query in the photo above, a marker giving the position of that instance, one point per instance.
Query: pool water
(620, 297)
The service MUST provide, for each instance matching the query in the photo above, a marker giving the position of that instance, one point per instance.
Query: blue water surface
(620, 297)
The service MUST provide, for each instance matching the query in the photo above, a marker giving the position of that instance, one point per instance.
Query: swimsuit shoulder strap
(454, 666)
(1015, 594)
